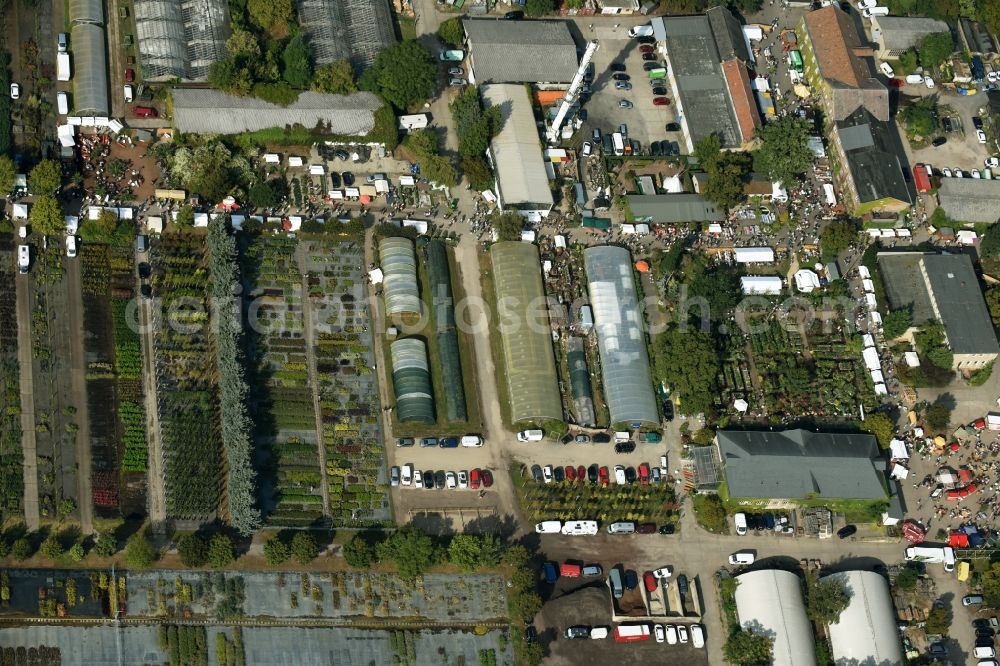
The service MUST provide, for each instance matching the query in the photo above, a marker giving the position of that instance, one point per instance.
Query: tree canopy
(728, 172)
(403, 74)
(411, 550)
(827, 599)
(474, 125)
(7, 174)
(276, 551)
(881, 426)
(536, 8)
(784, 152)
(451, 32)
(896, 323)
(45, 178)
(935, 49)
(468, 552)
(748, 648)
(271, 15)
(337, 78)
(836, 237)
(937, 417)
(508, 226)
(46, 215)
(687, 360)
(920, 117)
(220, 551)
(297, 58)
(193, 550)
(359, 552)
(139, 552)
(304, 548)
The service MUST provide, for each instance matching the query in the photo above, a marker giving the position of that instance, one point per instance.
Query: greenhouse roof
(524, 332)
(354, 30)
(90, 78)
(628, 384)
(399, 264)
(86, 11)
(181, 40)
(411, 379)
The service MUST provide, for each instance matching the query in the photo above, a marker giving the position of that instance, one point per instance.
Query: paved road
(78, 389)
(23, 285)
(156, 500)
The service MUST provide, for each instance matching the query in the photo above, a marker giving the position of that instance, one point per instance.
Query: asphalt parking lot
(963, 150)
(645, 121)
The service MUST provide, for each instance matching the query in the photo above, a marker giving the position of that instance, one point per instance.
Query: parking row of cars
(406, 476)
(762, 522)
(644, 474)
(468, 441)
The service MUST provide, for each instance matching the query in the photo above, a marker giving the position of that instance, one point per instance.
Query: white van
(597, 633)
(741, 523)
(23, 258)
(580, 527)
(530, 436)
(875, 11)
(62, 103)
(697, 636)
(622, 436)
(548, 527)
(742, 558)
(71, 246)
(620, 475)
(624, 527)
(914, 78)
(984, 652)
(472, 440)
(641, 31)
(127, 90)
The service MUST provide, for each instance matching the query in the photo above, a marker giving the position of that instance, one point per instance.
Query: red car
(129, 75)
(604, 476)
(487, 478)
(897, 83)
(647, 48)
(646, 528)
(644, 474)
(570, 473)
(581, 473)
(661, 101)
(474, 479)
(650, 581)
(144, 111)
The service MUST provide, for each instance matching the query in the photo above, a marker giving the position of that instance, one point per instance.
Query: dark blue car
(551, 572)
(449, 443)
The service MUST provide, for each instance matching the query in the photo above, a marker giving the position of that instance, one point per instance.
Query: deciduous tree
(468, 552)
(139, 551)
(837, 237)
(535, 8)
(359, 552)
(45, 178)
(276, 551)
(451, 32)
(896, 323)
(7, 173)
(271, 15)
(193, 550)
(336, 78)
(220, 551)
(686, 359)
(827, 599)
(936, 49)
(304, 548)
(297, 58)
(403, 74)
(881, 426)
(784, 152)
(46, 215)
(411, 550)
(748, 648)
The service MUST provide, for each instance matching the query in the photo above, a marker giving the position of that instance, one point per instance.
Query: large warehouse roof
(866, 632)
(796, 464)
(90, 75)
(354, 30)
(521, 51)
(203, 111)
(399, 264)
(970, 199)
(532, 386)
(181, 40)
(770, 602)
(411, 379)
(86, 11)
(517, 151)
(628, 385)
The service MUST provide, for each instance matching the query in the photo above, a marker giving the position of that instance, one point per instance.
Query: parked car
(558, 474)
(570, 473)
(646, 39)
(588, 148)
(394, 476)
(631, 580)
(661, 101)
(742, 558)
(451, 481)
(457, 82)
(646, 48)
(537, 474)
(582, 439)
(671, 632)
(418, 479)
(624, 447)
(644, 473)
(658, 631)
(682, 584)
(846, 531)
(929, 82)
(624, 104)
(886, 69)
(404, 441)
(663, 572)
(144, 112)
(673, 127)
(630, 474)
(428, 479)
(514, 16)
(659, 90)
(487, 478)
(977, 122)
(334, 180)
(972, 600)
(682, 633)
(596, 134)
(646, 528)
(406, 475)
(621, 76)
(617, 67)
(992, 162)
(592, 473)
(981, 135)
(15, 91)
(547, 474)
(623, 85)
(655, 149)
(578, 631)
(581, 473)
(666, 529)
(601, 438)
(428, 441)
(650, 66)
(129, 75)
(619, 475)
(456, 71)
(604, 476)
(448, 443)
(463, 479)
(592, 570)
(348, 178)
(649, 56)
(697, 636)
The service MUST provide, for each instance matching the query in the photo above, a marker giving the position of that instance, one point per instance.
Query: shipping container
(920, 178)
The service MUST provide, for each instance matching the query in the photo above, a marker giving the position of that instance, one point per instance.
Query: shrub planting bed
(11, 460)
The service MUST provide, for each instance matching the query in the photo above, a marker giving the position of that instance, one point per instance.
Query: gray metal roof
(354, 30)
(695, 68)
(977, 36)
(970, 199)
(770, 602)
(86, 11)
(905, 286)
(628, 384)
(90, 70)
(517, 149)
(903, 32)
(728, 34)
(959, 303)
(866, 632)
(205, 111)
(521, 51)
(796, 464)
(181, 40)
(532, 384)
(875, 157)
(674, 208)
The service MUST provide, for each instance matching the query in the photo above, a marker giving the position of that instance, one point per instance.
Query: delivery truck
(63, 72)
(938, 555)
(629, 633)
(618, 143)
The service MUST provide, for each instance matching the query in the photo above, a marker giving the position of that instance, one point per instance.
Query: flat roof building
(673, 208)
(840, 66)
(798, 464)
(896, 34)
(761, 285)
(206, 111)
(621, 337)
(866, 632)
(516, 152)
(707, 59)
(525, 338)
(944, 288)
(970, 199)
(754, 255)
(520, 51)
(873, 164)
(769, 602)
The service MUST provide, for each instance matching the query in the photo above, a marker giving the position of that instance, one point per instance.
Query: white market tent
(870, 300)
(628, 228)
(740, 405)
(272, 158)
(294, 161)
(761, 284)
(714, 228)
(868, 340)
(868, 286)
(871, 359)
(528, 236)
(863, 272)
(897, 449)
(876, 318)
(806, 280)
(317, 169)
(376, 275)
(877, 377)
(880, 389)
(754, 255)
(911, 359)
(21, 211)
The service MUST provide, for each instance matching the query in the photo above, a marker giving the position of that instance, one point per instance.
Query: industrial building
(522, 183)
(180, 40)
(708, 58)
(873, 164)
(525, 338)
(753, 255)
(352, 30)
(537, 52)
(761, 285)
(411, 381)
(621, 338)
(206, 111)
(866, 632)
(839, 65)
(970, 199)
(897, 34)
(673, 208)
(944, 288)
(770, 602)
(399, 266)
(798, 464)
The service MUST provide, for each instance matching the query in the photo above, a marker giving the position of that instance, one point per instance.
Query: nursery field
(186, 378)
(291, 479)
(114, 388)
(347, 383)
(11, 460)
(56, 593)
